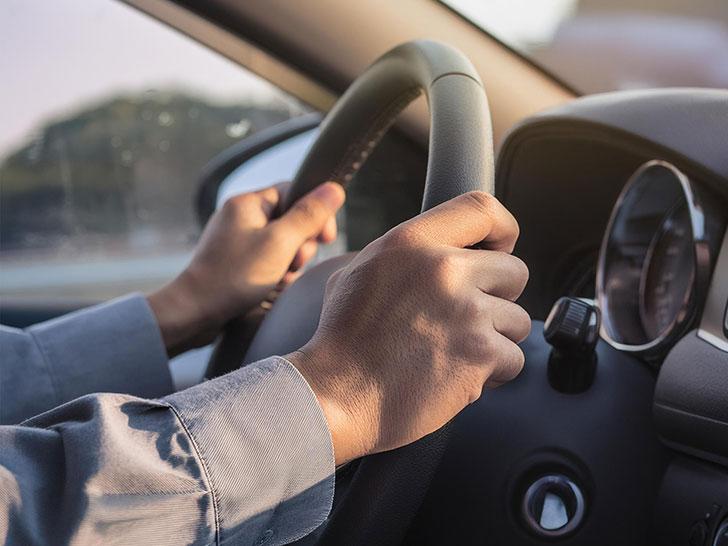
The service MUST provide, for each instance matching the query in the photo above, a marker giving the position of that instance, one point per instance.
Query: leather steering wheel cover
(461, 141)
(387, 488)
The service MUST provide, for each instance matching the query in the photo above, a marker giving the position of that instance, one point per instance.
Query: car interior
(616, 430)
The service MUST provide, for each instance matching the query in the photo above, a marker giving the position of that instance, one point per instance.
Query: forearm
(231, 460)
(113, 347)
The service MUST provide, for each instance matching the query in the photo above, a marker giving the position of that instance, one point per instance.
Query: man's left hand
(243, 254)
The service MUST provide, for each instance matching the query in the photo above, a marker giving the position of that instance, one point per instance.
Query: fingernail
(331, 193)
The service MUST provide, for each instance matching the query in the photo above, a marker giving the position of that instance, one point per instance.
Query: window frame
(239, 51)
(220, 43)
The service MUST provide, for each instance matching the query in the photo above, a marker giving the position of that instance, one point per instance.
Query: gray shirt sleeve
(243, 459)
(113, 347)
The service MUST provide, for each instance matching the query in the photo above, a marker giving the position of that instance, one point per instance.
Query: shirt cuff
(266, 447)
(112, 347)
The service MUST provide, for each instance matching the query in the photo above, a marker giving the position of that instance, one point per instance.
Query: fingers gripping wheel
(387, 489)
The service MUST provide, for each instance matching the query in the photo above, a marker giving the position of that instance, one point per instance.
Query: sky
(58, 56)
(505, 18)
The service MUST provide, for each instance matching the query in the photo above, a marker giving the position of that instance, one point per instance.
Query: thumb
(308, 216)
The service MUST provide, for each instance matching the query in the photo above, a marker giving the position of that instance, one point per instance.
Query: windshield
(606, 45)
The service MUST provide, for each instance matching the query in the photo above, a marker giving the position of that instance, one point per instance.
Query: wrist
(183, 319)
(319, 371)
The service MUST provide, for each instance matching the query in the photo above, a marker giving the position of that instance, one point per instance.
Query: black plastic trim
(691, 398)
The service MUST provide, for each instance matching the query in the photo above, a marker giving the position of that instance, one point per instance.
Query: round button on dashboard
(553, 506)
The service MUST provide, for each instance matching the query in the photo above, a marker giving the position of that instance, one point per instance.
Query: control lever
(572, 329)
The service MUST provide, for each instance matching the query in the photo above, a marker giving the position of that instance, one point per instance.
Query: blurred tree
(123, 172)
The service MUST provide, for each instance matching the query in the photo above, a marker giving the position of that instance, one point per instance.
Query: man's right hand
(417, 325)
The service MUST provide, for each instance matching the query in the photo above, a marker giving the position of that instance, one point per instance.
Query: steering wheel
(385, 490)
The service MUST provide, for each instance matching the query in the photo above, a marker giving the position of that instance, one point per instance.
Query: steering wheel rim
(460, 125)
(387, 489)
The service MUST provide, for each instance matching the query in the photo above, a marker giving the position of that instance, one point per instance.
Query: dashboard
(622, 200)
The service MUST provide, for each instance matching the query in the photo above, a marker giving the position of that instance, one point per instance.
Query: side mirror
(266, 158)
(386, 191)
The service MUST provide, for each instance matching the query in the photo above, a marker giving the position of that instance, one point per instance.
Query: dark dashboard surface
(653, 468)
(560, 173)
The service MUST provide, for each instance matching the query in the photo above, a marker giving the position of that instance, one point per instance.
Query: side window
(108, 118)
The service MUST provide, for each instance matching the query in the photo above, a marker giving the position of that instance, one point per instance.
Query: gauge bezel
(701, 274)
(650, 256)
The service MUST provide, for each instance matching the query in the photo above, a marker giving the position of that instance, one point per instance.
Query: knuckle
(489, 206)
(513, 273)
(235, 204)
(269, 193)
(481, 201)
(403, 235)
(524, 322)
(511, 364)
(520, 273)
(471, 310)
(519, 360)
(277, 234)
(507, 218)
(483, 344)
(308, 209)
(444, 268)
(520, 322)
(515, 227)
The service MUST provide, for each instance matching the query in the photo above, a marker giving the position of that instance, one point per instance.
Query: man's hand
(416, 326)
(242, 256)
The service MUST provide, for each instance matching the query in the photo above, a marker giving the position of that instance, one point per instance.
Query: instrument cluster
(655, 261)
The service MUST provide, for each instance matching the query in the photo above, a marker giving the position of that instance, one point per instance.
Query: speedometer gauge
(654, 261)
(668, 274)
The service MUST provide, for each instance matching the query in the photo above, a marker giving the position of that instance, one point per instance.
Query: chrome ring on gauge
(654, 262)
